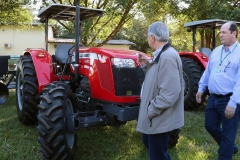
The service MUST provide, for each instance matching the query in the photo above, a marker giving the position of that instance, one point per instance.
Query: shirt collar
(155, 53)
(231, 48)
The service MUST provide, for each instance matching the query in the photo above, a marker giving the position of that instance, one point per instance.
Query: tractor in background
(194, 63)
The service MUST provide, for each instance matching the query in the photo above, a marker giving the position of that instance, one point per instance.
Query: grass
(19, 142)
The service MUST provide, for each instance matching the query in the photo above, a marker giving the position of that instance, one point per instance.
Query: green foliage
(177, 12)
(102, 28)
(117, 14)
(136, 33)
(180, 39)
(13, 13)
(151, 11)
(129, 19)
(210, 9)
(63, 29)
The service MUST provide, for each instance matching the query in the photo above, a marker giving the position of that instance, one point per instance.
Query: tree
(177, 12)
(210, 9)
(135, 32)
(134, 17)
(106, 27)
(179, 37)
(118, 12)
(14, 13)
(151, 11)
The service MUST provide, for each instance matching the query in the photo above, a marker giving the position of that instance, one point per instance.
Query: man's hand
(229, 112)
(143, 59)
(199, 97)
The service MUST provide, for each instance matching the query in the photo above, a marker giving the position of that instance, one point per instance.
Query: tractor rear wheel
(192, 73)
(27, 96)
(174, 138)
(54, 108)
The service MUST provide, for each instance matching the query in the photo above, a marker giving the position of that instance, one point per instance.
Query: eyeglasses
(226, 66)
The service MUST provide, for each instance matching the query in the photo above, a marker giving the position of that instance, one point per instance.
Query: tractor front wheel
(27, 96)
(174, 138)
(54, 108)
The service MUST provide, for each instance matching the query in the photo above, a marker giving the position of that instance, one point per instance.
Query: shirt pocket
(230, 67)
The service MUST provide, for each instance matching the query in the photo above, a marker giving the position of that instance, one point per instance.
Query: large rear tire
(192, 73)
(27, 96)
(55, 140)
(174, 138)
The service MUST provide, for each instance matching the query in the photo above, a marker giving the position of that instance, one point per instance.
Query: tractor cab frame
(68, 13)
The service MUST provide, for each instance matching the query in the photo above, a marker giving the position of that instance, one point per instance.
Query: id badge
(218, 69)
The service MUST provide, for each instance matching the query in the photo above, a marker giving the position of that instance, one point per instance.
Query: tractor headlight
(123, 63)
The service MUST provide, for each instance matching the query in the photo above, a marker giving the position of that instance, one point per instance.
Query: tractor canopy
(76, 14)
(207, 31)
(67, 12)
(204, 24)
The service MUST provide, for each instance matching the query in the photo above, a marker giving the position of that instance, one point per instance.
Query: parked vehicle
(194, 63)
(77, 87)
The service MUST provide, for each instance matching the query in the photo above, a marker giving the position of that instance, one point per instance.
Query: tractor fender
(202, 59)
(42, 61)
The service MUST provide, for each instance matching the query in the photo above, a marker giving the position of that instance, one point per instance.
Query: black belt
(222, 96)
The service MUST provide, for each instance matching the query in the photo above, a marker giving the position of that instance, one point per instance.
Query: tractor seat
(61, 53)
(206, 51)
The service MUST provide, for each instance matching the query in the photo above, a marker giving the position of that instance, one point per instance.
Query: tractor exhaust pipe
(3, 93)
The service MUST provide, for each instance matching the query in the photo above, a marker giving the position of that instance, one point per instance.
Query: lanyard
(221, 60)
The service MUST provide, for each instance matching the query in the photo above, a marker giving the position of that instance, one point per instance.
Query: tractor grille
(127, 81)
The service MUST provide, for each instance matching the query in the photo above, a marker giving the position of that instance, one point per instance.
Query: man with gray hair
(162, 96)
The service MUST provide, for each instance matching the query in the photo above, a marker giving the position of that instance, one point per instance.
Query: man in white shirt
(222, 77)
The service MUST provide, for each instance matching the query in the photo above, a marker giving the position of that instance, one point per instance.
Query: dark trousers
(223, 130)
(157, 145)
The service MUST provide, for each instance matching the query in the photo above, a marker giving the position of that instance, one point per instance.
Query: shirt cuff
(201, 90)
(232, 104)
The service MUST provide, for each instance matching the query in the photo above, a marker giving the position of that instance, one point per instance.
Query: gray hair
(159, 30)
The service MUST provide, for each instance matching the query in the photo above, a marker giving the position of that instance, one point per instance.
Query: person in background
(162, 95)
(222, 77)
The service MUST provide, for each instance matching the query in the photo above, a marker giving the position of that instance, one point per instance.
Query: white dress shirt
(224, 78)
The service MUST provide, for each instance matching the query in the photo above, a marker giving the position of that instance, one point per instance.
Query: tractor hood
(117, 53)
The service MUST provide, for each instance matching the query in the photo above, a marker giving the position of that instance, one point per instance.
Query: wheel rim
(19, 91)
(69, 136)
(186, 87)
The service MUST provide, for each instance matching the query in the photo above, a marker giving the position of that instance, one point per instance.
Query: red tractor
(77, 87)
(194, 63)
